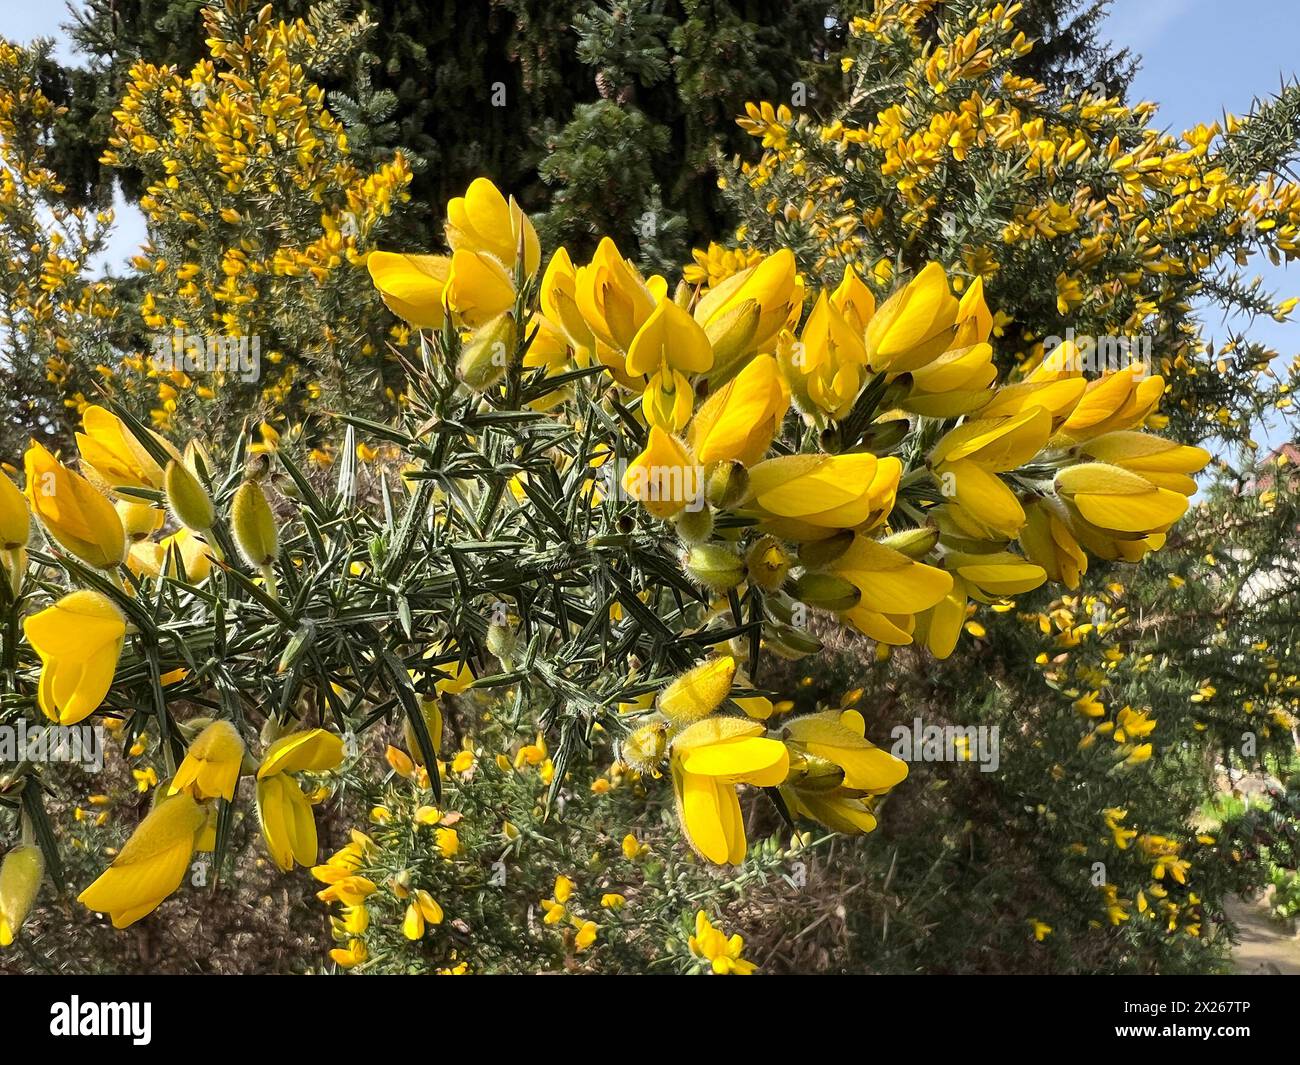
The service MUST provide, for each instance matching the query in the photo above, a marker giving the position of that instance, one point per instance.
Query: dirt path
(1265, 947)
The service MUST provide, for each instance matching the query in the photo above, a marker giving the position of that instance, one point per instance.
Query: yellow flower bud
(15, 521)
(139, 519)
(698, 691)
(188, 499)
(645, 747)
(254, 525)
(485, 357)
(715, 566)
(21, 873)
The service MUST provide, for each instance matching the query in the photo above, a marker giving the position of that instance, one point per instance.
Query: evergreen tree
(635, 100)
(1071, 48)
(492, 87)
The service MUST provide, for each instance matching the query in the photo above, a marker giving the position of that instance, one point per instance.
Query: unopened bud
(13, 564)
(139, 520)
(809, 772)
(826, 591)
(501, 641)
(487, 353)
(694, 526)
(644, 748)
(789, 643)
(818, 553)
(716, 567)
(883, 436)
(253, 524)
(726, 484)
(914, 543)
(188, 499)
(21, 873)
(272, 730)
(698, 692)
(15, 518)
(731, 336)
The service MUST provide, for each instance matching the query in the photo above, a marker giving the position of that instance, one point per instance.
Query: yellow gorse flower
(743, 314)
(709, 758)
(139, 520)
(15, 520)
(182, 551)
(151, 865)
(1163, 463)
(828, 365)
(915, 325)
(79, 517)
(890, 588)
(1113, 499)
(615, 302)
(483, 221)
(721, 951)
(811, 497)
(664, 350)
(211, 766)
(283, 810)
(479, 289)
(1116, 401)
(79, 640)
(664, 477)
(411, 285)
(559, 303)
(111, 454)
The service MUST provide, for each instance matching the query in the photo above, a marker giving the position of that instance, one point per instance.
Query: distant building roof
(1286, 457)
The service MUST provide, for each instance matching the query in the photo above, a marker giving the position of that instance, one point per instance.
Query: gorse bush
(1074, 211)
(257, 217)
(1080, 220)
(585, 619)
(57, 321)
(515, 558)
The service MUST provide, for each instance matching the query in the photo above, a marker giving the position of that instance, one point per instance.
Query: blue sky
(1199, 57)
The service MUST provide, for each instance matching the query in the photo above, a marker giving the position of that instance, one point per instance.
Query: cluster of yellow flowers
(48, 303)
(1128, 215)
(1054, 462)
(245, 161)
(1086, 634)
(1180, 911)
(79, 639)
